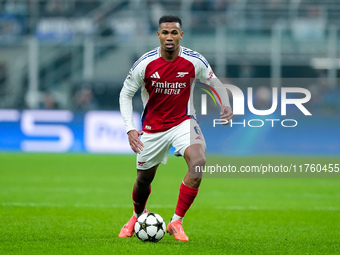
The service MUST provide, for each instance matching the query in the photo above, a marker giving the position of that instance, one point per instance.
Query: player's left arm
(208, 77)
(226, 113)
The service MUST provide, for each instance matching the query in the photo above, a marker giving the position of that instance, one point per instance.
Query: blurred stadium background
(73, 56)
(62, 66)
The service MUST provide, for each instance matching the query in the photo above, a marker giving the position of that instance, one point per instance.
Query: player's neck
(170, 56)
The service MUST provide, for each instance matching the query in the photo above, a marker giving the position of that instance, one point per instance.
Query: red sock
(139, 200)
(186, 197)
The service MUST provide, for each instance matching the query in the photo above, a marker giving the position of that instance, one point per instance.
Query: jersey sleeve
(133, 81)
(207, 76)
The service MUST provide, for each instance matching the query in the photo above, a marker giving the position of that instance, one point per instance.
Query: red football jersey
(166, 88)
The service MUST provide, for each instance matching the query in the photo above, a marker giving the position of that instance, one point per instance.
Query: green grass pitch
(76, 204)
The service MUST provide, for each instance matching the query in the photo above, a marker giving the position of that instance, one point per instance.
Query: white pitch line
(255, 208)
(228, 208)
(31, 204)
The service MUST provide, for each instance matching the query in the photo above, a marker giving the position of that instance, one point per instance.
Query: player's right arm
(134, 141)
(131, 84)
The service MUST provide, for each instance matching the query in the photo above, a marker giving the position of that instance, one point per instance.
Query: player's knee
(143, 181)
(199, 160)
(195, 156)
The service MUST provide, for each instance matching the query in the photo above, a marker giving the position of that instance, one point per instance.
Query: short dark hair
(170, 18)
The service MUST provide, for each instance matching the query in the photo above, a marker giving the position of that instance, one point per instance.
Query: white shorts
(157, 145)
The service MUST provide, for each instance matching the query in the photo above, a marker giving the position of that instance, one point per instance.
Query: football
(150, 227)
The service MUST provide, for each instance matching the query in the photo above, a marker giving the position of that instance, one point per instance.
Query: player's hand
(226, 113)
(135, 144)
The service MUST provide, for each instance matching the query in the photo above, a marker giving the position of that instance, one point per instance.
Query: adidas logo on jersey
(155, 75)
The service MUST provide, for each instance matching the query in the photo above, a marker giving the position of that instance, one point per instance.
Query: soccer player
(166, 76)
